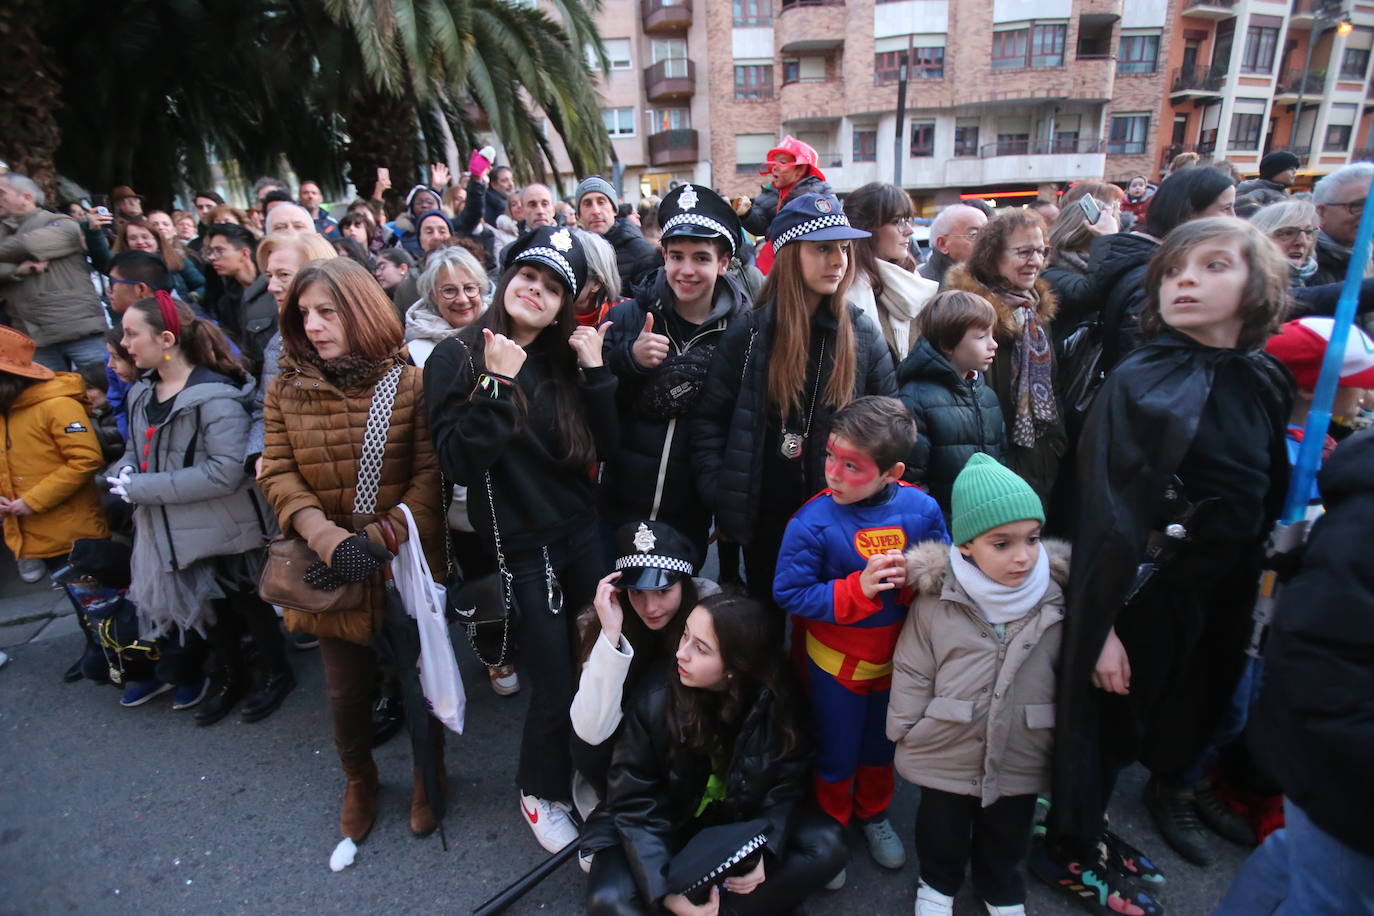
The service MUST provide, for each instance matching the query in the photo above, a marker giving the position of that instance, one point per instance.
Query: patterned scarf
(347, 372)
(1032, 382)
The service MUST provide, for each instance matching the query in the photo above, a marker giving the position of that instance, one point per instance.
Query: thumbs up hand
(649, 349)
(587, 342)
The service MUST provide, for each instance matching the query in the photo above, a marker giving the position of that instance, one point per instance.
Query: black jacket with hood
(1314, 725)
(1116, 268)
(654, 788)
(956, 417)
(635, 256)
(729, 427)
(650, 476)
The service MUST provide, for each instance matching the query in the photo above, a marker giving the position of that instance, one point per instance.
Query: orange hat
(16, 355)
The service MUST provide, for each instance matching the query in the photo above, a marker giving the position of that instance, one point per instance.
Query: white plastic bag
(424, 600)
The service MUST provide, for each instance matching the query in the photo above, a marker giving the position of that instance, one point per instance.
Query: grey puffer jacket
(190, 491)
(971, 713)
(955, 417)
(59, 303)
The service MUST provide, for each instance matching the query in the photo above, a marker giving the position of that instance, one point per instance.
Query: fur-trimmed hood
(961, 278)
(928, 561)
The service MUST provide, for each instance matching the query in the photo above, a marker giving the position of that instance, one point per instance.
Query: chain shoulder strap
(374, 442)
(491, 499)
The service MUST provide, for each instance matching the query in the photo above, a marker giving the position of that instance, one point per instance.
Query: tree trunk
(29, 96)
(382, 134)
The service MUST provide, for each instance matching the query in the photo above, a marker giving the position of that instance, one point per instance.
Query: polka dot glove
(320, 576)
(357, 558)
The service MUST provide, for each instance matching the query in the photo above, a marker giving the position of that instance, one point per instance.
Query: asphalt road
(111, 810)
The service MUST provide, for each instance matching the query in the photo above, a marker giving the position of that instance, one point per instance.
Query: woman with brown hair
(1005, 270)
(887, 291)
(778, 377)
(341, 347)
(140, 235)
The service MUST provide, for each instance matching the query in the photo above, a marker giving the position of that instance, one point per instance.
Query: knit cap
(987, 495)
(598, 185)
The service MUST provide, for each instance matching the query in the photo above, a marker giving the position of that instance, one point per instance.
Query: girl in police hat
(780, 373)
(522, 408)
(635, 621)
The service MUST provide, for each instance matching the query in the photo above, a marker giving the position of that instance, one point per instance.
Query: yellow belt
(831, 661)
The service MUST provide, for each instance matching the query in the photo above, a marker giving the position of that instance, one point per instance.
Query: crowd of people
(991, 519)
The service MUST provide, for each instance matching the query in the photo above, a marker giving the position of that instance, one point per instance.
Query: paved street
(112, 810)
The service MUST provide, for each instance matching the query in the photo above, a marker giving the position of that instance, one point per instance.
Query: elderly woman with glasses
(1005, 269)
(452, 288)
(1292, 226)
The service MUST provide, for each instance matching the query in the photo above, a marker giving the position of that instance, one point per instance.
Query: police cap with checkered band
(812, 218)
(554, 247)
(651, 556)
(697, 212)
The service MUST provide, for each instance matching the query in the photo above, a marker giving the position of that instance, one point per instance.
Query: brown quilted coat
(312, 443)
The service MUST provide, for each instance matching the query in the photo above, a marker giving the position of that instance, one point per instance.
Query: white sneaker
(884, 844)
(504, 680)
(550, 822)
(3, 658)
(584, 862)
(836, 882)
(930, 902)
(1018, 909)
(31, 570)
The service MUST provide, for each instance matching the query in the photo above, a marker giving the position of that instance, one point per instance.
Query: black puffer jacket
(956, 417)
(765, 206)
(650, 476)
(1075, 291)
(635, 256)
(1314, 726)
(1116, 268)
(654, 789)
(730, 423)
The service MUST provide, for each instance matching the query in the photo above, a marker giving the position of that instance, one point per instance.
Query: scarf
(1032, 381)
(350, 371)
(1075, 261)
(1000, 604)
(1304, 273)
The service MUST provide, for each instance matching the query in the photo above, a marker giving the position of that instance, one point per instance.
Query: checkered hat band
(553, 259)
(694, 219)
(654, 561)
(796, 232)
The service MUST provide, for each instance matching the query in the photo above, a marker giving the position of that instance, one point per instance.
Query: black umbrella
(398, 652)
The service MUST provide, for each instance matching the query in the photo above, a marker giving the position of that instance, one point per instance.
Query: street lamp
(1322, 17)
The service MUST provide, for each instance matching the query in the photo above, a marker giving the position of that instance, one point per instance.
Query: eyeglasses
(1289, 233)
(971, 235)
(902, 223)
(471, 290)
(214, 254)
(1353, 207)
(120, 282)
(1029, 253)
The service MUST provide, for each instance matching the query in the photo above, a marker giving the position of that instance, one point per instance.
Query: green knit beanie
(986, 495)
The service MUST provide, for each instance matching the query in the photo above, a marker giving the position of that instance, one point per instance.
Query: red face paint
(851, 474)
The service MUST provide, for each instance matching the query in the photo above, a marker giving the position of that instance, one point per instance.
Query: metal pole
(902, 72)
(1302, 84)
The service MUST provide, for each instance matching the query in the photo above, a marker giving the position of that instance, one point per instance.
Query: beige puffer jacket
(971, 714)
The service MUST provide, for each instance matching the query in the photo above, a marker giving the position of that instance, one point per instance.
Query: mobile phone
(1092, 210)
(85, 203)
(103, 211)
(383, 174)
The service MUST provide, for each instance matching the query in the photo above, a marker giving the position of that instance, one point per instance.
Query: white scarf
(1000, 604)
(905, 294)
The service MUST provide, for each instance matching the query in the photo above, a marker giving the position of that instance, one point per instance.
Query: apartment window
(1138, 54)
(751, 150)
(1354, 64)
(672, 53)
(753, 12)
(669, 119)
(617, 52)
(1337, 138)
(966, 139)
(1094, 39)
(1245, 130)
(1128, 134)
(1013, 144)
(865, 146)
(1047, 45)
(619, 122)
(1261, 42)
(923, 138)
(1009, 49)
(926, 63)
(753, 81)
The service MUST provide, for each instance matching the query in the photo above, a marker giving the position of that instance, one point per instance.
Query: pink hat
(1301, 344)
(803, 153)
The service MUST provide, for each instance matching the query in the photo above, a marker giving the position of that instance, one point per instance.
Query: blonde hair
(1282, 215)
(311, 246)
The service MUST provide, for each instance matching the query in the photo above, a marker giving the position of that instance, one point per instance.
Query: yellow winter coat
(49, 458)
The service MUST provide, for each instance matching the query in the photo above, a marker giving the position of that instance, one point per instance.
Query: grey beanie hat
(598, 185)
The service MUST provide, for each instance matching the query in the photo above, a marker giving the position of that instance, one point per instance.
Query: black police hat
(694, 211)
(101, 559)
(555, 247)
(652, 556)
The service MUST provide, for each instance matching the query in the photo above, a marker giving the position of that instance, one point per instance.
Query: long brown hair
(871, 207)
(791, 346)
(570, 427)
(650, 645)
(201, 342)
(12, 385)
(170, 254)
(368, 317)
(704, 722)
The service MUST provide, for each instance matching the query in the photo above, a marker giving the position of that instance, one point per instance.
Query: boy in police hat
(659, 347)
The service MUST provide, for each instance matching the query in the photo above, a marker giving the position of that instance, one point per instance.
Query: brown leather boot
(422, 819)
(360, 800)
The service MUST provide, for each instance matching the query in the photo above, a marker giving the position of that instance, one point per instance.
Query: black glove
(357, 558)
(320, 576)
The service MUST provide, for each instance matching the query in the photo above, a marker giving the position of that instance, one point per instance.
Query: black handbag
(485, 605)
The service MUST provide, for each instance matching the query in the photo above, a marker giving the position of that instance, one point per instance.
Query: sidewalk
(31, 613)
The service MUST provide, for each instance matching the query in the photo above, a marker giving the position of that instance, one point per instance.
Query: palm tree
(157, 86)
(29, 91)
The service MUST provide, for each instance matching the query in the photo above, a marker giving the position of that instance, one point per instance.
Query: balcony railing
(670, 78)
(666, 15)
(1209, 9)
(679, 145)
(1291, 82)
(1063, 147)
(794, 4)
(1198, 79)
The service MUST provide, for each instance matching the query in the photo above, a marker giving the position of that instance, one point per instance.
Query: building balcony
(1292, 83)
(813, 101)
(1306, 12)
(810, 25)
(662, 16)
(1209, 9)
(1197, 83)
(1028, 162)
(670, 80)
(670, 146)
(1040, 148)
(1075, 80)
(1110, 10)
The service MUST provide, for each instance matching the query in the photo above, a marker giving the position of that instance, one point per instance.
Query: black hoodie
(1116, 268)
